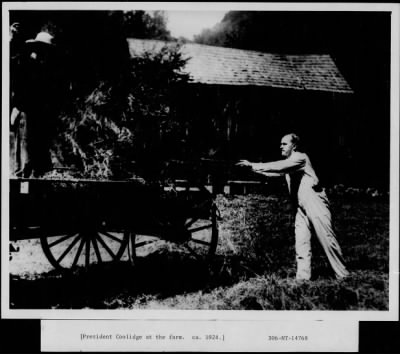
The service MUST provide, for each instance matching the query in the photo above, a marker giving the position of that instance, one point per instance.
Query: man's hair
(295, 139)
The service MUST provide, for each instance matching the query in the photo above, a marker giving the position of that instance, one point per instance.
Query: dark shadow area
(161, 274)
(254, 267)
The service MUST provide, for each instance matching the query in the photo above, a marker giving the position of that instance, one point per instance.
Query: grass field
(257, 255)
(254, 268)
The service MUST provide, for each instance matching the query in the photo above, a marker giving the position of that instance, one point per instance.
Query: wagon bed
(81, 222)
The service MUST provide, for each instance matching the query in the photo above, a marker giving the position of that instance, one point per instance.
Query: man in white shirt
(313, 211)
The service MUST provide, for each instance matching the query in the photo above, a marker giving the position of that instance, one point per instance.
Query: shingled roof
(228, 66)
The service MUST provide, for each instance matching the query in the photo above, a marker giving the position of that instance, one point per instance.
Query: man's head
(289, 143)
(41, 47)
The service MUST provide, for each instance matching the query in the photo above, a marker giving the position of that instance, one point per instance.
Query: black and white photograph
(222, 160)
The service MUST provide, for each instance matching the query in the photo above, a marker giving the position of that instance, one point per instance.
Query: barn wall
(241, 122)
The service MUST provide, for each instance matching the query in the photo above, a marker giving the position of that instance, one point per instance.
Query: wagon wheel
(197, 235)
(203, 233)
(83, 248)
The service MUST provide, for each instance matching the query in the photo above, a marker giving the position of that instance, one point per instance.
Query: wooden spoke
(194, 214)
(206, 230)
(111, 236)
(73, 243)
(200, 228)
(106, 247)
(87, 254)
(200, 242)
(191, 222)
(62, 239)
(78, 253)
(96, 249)
(143, 243)
(114, 245)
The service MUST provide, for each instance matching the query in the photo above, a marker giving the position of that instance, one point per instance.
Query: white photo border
(390, 315)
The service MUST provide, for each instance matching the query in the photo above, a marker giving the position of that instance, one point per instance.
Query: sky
(189, 23)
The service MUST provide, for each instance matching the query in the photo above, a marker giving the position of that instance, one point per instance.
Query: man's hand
(244, 163)
(15, 114)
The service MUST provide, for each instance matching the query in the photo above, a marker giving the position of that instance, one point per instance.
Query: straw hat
(42, 37)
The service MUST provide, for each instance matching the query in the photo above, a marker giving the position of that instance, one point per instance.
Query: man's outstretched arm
(276, 167)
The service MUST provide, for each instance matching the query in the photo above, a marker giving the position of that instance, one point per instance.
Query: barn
(239, 103)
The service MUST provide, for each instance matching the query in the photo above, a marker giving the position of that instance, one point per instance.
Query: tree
(141, 24)
(118, 131)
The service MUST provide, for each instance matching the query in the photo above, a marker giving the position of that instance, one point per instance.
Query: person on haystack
(35, 99)
(312, 206)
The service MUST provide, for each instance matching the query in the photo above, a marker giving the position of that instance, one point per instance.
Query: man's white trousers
(313, 214)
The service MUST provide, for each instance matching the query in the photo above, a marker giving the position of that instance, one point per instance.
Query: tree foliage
(121, 130)
(141, 24)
